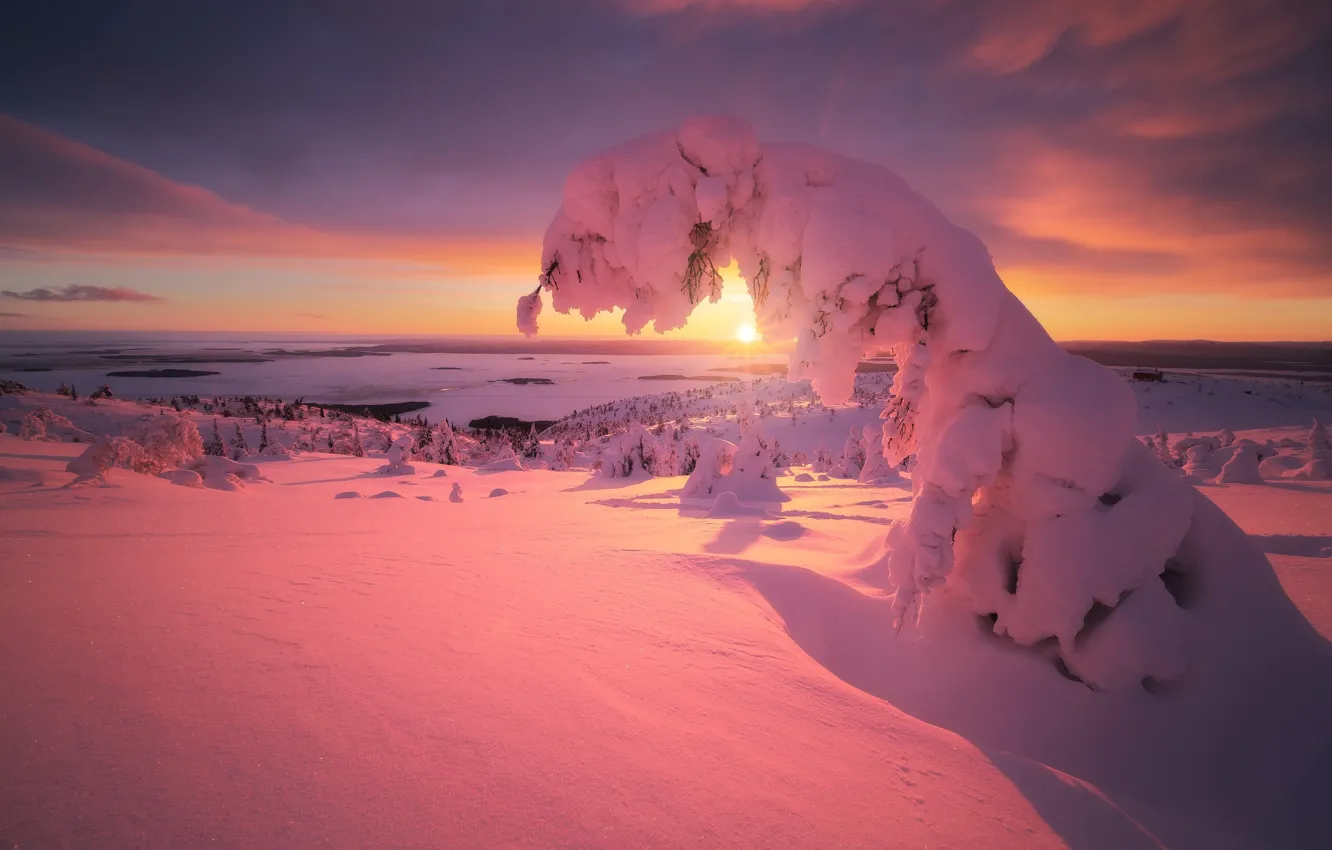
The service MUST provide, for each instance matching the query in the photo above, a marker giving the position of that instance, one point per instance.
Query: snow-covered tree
(446, 444)
(853, 454)
(877, 468)
(1019, 446)
(532, 444)
(753, 475)
(638, 454)
(357, 448)
(712, 465)
(239, 448)
(1319, 444)
(215, 447)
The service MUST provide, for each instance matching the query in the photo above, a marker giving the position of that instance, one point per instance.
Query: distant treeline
(384, 412)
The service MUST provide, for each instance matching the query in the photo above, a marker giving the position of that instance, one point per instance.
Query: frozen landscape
(998, 595)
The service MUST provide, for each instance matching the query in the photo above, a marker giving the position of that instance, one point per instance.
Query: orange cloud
(1103, 225)
(1207, 41)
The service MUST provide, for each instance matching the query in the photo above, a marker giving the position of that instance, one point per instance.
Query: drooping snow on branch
(1020, 447)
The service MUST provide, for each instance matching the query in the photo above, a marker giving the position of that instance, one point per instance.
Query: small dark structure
(1148, 375)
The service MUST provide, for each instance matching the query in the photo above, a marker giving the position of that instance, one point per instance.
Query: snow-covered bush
(638, 455)
(398, 454)
(162, 443)
(1028, 485)
(168, 441)
(100, 457)
(33, 427)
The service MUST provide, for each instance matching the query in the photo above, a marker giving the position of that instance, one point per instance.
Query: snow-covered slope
(343, 656)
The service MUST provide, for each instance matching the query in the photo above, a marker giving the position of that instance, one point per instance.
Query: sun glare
(746, 334)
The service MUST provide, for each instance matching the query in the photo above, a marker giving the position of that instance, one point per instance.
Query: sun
(746, 334)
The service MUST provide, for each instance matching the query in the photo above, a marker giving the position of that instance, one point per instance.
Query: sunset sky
(1139, 168)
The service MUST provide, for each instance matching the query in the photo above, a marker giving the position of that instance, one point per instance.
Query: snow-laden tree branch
(1021, 449)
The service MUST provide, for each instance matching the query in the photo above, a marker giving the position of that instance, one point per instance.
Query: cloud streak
(75, 293)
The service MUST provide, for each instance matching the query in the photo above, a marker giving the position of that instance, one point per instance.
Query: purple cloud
(81, 293)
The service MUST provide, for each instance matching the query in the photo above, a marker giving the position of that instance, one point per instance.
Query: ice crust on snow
(1028, 484)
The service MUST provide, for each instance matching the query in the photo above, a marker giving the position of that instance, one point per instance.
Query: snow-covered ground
(338, 655)
(1005, 615)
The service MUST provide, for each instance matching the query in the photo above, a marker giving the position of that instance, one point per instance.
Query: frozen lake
(460, 386)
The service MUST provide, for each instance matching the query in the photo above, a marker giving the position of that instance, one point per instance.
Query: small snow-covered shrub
(33, 427)
(168, 441)
(102, 456)
(398, 454)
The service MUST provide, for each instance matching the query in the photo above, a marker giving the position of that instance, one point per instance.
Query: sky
(1140, 169)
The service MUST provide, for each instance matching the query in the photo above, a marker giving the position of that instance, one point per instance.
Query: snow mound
(497, 492)
(182, 477)
(504, 464)
(786, 530)
(1242, 468)
(387, 494)
(804, 477)
(347, 494)
(727, 506)
(440, 473)
(1319, 469)
(222, 473)
(1031, 498)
